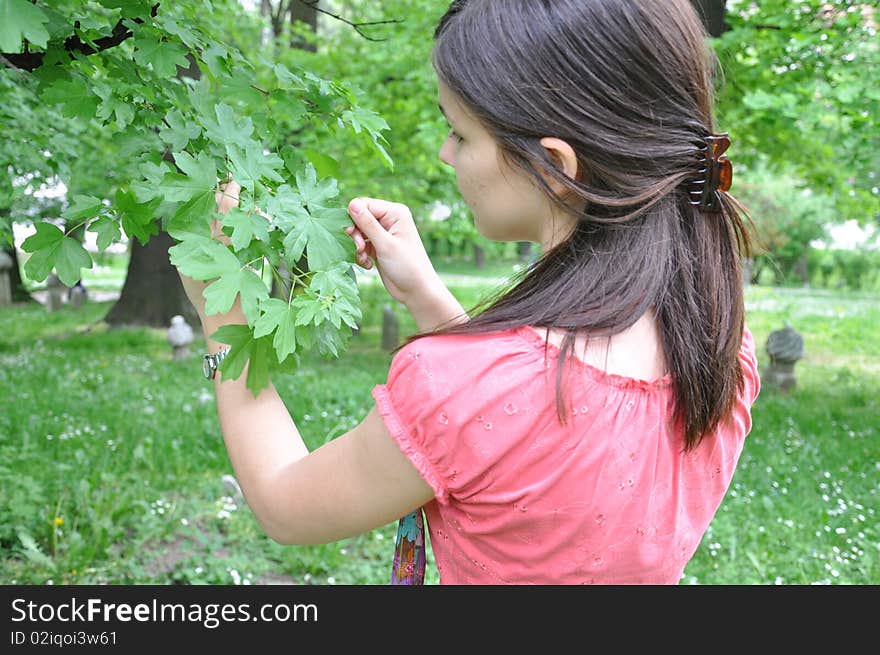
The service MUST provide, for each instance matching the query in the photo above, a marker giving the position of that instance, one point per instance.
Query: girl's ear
(566, 161)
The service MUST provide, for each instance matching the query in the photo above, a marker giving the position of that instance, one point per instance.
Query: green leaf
(71, 258)
(200, 177)
(51, 249)
(240, 340)
(177, 131)
(280, 318)
(339, 293)
(203, 258)
(150, 187)
(262, 356)
(225, 130)
(193, 218)
(33, 553)
(73, 96)
(164, 56)
(365, 119)
(43, 246)
(247, 226)
(308, 309)
(325, 165)
(46, 236)
(220, 296)
(129, 8)
(113, 104)
(21, 19)
(138, 219)
(313, 192)
(244, 349)
(322, 235)
(252, 165)
(107, 230)
(83, 207)
(215, 58)
(288, 80)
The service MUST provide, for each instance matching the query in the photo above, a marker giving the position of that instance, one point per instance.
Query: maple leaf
(74, 97)
(51, 248)
(245, 349)
(220, 295)
(225, 130)
(107, 230)
(247, 226)
(164, 56)
(250, 166)
(200, 177)
(202, 258)
(21, 19)
(279, 318)
(177, 131)
(312, 192)
(138, 220)
(321, 235)
(83, 207)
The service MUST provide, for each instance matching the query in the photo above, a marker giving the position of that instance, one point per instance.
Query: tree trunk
(19, 292)
(300, 11)
(712, 12)
(801, 269)
(479, 257)
(153, 292)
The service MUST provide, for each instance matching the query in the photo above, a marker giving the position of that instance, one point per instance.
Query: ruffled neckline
(531, 335)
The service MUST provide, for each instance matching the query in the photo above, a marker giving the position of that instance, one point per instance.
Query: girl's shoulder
(473, 349)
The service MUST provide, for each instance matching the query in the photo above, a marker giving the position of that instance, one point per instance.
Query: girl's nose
(447, 153)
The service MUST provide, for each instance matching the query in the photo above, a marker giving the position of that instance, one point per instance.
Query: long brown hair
(629, 84)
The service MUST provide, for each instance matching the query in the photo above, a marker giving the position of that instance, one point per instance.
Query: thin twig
(313, 4)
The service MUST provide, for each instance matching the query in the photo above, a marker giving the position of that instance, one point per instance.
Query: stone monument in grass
(180, 335)
(6, 265)
(785, 347)
(390, 329)
(56, 289)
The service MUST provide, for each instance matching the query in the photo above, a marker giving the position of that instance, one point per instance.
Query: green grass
(112, 464)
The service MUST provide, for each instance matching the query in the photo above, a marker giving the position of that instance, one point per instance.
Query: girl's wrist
(213, 322)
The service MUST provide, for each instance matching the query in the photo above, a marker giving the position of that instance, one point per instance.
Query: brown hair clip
(715, 173)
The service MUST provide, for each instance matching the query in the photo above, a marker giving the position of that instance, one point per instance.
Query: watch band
(210, 363)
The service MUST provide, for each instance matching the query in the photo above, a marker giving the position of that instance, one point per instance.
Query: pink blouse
(608, 498)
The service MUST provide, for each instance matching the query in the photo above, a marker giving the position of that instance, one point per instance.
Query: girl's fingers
(365, 249)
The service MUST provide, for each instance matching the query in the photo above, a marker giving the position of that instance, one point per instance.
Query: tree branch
(313, 4)
(29, 61)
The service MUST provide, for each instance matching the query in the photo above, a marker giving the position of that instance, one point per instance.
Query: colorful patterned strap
(409, 551)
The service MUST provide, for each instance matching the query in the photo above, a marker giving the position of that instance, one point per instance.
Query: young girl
(586, 424)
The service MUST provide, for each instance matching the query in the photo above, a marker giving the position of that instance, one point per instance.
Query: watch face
(207, 368)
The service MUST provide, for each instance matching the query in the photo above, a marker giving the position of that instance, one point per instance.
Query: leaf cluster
(186, 109)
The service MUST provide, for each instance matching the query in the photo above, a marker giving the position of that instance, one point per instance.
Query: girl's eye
(453, 135)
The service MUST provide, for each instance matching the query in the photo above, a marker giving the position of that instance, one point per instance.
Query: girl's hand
(386, 235)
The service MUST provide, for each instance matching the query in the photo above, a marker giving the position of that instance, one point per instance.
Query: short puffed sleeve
(749, 362)
(443, 405)
(411, 405)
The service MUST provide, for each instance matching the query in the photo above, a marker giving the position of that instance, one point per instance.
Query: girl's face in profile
(506, 203)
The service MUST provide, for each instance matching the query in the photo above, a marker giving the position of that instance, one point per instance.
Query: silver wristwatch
(211, 362)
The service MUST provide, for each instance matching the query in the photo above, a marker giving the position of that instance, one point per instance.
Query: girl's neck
(637, 352)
